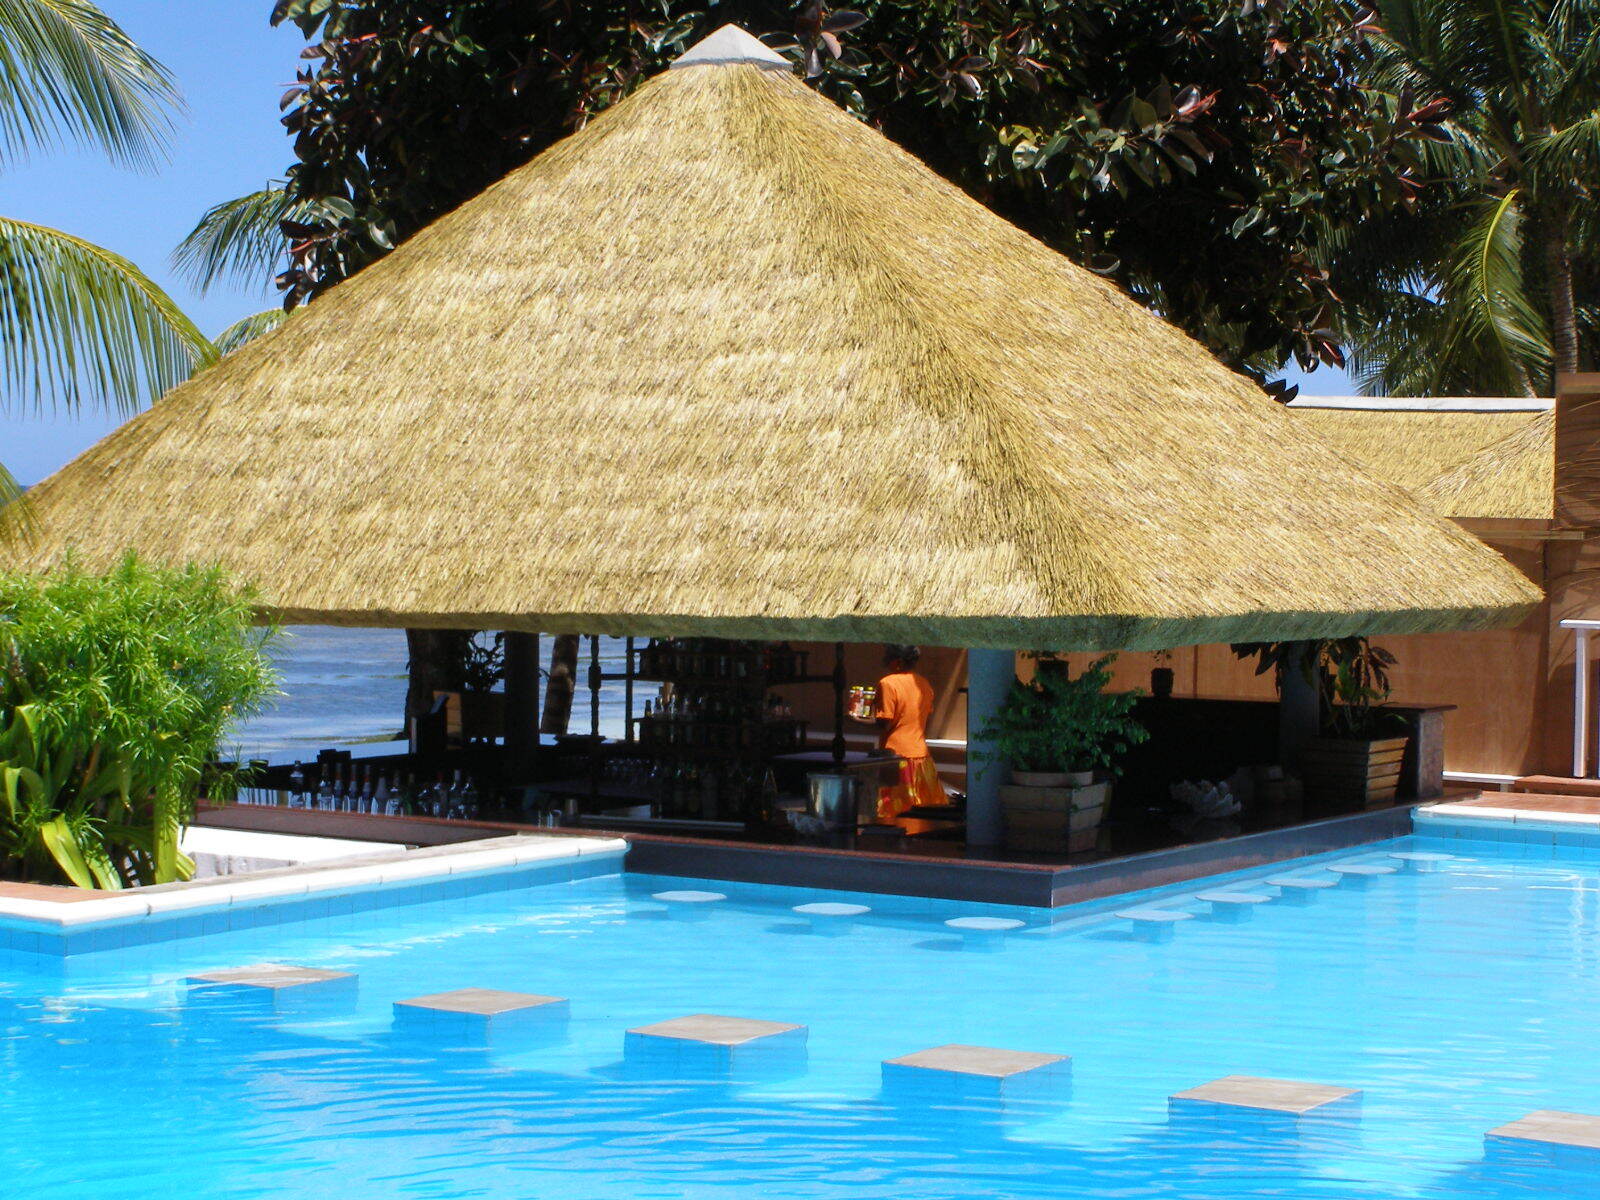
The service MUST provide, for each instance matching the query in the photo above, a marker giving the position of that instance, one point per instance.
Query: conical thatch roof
(729, 362)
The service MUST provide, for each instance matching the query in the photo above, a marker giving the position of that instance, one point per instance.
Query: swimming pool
(1457, 996)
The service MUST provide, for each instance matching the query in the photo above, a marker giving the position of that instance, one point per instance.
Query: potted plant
(1055, 733)
(1355, 761)
(479, 711)
(1161, 675)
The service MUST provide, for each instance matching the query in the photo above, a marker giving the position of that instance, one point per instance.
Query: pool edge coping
(404, 868)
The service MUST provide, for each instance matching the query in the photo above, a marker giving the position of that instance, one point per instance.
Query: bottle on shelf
(297, 786)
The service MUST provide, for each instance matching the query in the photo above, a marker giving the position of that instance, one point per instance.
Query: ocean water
(1456, 996)
(344, 686)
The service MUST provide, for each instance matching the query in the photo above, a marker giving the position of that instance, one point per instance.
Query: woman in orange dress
(905, 701)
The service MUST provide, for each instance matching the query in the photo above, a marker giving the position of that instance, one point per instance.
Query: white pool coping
(287, 848)
(400, 867)
(1487, 815)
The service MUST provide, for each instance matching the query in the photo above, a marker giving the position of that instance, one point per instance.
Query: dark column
(839, 681)
(1299, 704)
(522, 706)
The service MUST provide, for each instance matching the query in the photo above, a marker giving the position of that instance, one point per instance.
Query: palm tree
(78, 323)
(1493, 284)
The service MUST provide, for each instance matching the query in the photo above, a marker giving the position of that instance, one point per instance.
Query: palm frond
(1488, 280)
(77, 321)
(68, 72)
(237, 241)
(248, 329)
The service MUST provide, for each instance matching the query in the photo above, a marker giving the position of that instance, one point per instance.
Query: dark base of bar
(970, 877)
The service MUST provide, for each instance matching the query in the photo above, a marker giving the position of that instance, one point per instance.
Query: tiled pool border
(72, 925)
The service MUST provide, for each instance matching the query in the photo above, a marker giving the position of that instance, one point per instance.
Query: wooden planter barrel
(1061, 819)
(1348, 775)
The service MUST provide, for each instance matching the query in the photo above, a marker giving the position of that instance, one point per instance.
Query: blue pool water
(1458, 998)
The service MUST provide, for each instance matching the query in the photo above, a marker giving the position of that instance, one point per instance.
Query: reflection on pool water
(1456, 995)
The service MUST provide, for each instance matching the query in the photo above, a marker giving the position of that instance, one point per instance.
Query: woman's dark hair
(904, 654)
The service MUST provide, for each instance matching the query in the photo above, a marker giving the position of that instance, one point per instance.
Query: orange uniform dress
(905, 700)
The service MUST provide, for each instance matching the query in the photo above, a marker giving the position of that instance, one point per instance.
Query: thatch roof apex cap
(730, 44)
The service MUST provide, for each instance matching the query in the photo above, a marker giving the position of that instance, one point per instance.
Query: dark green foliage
(1061, 722)
(115, 693)
(1194, 150)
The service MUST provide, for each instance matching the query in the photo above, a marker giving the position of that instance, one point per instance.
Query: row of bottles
(377, 792)
(721, 660)
(695, 790)
(716, 719)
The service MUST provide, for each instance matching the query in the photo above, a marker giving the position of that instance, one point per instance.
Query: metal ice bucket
(834, 799)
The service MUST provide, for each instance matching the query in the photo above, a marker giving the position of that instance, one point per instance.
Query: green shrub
(1063, 723)
(115, 692)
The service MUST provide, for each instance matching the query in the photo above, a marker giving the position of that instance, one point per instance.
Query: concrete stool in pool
(1154, 924)
(688, 904)
(829, 918)
(1299, 889)
(707, 1046)
(1360, 873)
(1233, 905)
(1266, 1105)
(983, 933)
(1549, 1136)
(1421, 860)
(965, 1073)
(482, 1016)
(275, 987)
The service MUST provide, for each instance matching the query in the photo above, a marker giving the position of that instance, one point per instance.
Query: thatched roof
(729, 362)
(1467, 458)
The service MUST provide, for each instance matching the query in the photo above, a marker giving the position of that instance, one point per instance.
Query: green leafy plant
(1062, 722)
(1351, 675)
(115, 692)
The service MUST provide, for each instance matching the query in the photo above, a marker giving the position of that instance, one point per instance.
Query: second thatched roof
(1477, 458)
(729, 362)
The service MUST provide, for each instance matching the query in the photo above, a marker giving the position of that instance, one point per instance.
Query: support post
(1580, 707)
(522, 706)
(1299, 704)
(990, 674)
(839, 681)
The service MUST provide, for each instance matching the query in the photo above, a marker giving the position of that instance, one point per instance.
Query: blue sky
(232, 66)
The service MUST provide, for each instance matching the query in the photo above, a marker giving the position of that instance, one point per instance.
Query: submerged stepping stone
(1285, 1097)
(1422, 856)
(1235, 899)
(1549, 1129)
(270, 976)
(688, 897)
(480, 1013)
(974, 1070)
(708, 1029)
(984, 924)
(706, 1046)
(827, 909)
(278, 985)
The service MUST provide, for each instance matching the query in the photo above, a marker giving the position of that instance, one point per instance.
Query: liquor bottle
(297, 786)
(369, 791)
(380, 795)
(325, 789)
(438, 799)
(453, 806)
(471, 800)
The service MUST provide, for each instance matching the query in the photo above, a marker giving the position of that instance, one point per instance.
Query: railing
(1582, 674)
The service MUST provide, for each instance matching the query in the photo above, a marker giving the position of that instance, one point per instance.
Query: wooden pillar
(990, 674)
(522, 706)
(1299, 704)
